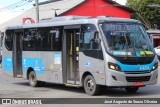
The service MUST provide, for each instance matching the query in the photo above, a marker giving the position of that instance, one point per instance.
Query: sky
(13, 8)
(123, 2)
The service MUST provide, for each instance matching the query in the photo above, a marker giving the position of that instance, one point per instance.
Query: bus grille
(136, 72)
(138, 79)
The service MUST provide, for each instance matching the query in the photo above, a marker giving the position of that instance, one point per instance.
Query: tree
(147, 11)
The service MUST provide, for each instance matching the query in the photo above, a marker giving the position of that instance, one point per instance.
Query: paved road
(13, 88)
(10, 87)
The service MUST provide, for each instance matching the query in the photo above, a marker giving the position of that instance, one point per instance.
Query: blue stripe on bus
(35, 63)
(7, 64)
(144, 67)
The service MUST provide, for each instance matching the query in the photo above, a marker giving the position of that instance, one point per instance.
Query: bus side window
(45, 38)
(96, 41)
(42, 39)
(89, 39)
(56, 39)
(9, 39)
(31, 40)
(51, 39)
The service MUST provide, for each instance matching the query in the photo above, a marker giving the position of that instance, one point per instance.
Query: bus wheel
(90, 86)
(132, 89)
(33, 80)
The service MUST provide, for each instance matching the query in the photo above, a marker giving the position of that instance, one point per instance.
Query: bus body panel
(48, 64)
(7, 61)
(122, 82)
(119, 78)
(94, 66)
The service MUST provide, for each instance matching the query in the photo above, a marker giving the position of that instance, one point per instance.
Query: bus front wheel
(132, 89)
(33, 80)
(90, 86)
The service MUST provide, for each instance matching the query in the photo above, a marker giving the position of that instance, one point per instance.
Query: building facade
(99, 8)
(91, 8)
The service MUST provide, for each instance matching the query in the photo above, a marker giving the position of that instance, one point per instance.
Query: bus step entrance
(72, 85)
(19, 76)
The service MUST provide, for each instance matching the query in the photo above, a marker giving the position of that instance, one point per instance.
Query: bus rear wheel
(90, 86)
(33, 80)
(132, 89)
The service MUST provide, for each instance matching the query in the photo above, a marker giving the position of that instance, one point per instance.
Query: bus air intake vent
(136, 72)
(138, 79)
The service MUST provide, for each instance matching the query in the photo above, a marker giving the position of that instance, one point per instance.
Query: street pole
(37, 11)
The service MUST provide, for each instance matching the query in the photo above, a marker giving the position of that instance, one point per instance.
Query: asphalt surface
(19, 88)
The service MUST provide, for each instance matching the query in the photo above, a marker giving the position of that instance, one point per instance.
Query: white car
(157, 49)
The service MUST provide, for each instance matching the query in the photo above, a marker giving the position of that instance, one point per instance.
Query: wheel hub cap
(90, 85)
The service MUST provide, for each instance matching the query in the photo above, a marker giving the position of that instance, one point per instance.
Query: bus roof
(70, 20)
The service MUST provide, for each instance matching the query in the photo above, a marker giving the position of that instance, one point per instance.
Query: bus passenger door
(71, 55)
(17, 54)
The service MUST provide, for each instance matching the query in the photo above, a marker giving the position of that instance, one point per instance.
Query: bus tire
(131, 89)
(90, 86)
(33, 80)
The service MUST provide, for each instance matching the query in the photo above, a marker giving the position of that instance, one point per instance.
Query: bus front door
(17, 54)
(71, 56)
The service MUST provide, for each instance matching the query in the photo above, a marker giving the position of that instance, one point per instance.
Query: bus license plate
(138, 83)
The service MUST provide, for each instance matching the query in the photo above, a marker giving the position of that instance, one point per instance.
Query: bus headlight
(155, 66)
(114, 66)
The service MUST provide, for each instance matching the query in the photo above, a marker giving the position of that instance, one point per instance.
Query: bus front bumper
(121, 79)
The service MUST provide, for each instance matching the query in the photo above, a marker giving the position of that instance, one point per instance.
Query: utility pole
(37, 11)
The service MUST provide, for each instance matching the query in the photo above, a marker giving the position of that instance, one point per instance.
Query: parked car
(157, 49)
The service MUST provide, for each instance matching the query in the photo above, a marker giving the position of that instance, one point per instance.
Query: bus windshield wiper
(145, 54)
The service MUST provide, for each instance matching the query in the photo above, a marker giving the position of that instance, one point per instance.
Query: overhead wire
(16, 5)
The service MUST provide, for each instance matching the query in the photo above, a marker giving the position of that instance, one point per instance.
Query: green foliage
(147, 11)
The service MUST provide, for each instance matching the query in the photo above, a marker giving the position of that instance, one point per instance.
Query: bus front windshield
(127, 40)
